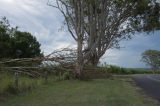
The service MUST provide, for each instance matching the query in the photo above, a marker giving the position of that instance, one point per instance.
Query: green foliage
(17, 44)
(5, 41)
(143, 20)
(152, 58)
(25, 45)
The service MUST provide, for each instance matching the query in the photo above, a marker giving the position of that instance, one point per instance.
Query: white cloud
(37, 17)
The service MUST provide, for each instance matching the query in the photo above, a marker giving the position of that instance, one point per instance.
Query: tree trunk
(80, 62)
(79, 71)
(80, 35)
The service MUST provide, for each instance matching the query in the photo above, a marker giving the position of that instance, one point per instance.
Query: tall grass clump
(25, 83)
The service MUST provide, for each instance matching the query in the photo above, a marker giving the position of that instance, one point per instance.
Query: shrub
(66, 75)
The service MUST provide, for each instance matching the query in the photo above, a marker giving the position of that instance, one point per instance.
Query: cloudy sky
(46, 23)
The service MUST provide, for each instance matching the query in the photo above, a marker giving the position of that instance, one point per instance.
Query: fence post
(16, 79)
(46, 76)
(60, 75)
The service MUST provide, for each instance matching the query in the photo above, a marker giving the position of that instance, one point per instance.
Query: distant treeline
(120, 70)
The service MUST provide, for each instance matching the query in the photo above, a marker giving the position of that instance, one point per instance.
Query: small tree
(152, 58)
(25, 45)
(5, 42)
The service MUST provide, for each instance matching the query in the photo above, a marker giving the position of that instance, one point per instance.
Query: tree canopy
(17, 44)
(152, 58)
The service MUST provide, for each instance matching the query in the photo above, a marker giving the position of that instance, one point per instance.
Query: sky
(46, 23)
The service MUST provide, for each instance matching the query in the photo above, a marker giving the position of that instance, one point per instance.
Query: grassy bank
(100, 92)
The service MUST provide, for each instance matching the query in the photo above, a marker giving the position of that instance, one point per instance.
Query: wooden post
(16, 79)
(46, 76)
(60, 75)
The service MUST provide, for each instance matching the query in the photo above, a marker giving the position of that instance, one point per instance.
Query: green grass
(99, 92)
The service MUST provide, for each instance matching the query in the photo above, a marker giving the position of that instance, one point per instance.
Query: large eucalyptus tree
(98, 25)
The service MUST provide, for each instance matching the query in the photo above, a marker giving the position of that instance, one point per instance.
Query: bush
(66, 75)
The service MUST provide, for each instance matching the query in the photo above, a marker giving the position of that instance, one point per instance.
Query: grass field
(99, 92)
